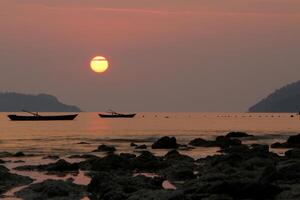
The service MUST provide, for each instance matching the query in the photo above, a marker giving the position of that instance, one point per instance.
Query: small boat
(113, 114)
(38, 117)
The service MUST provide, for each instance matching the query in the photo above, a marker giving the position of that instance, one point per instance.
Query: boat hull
(117, 116)
(41, 118)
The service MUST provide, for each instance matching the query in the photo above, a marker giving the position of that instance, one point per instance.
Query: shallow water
(62, 137)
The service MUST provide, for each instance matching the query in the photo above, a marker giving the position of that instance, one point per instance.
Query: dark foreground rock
(107, 186)
(200, 142)
(237, 135)
(59, 166)
(52, 189)
(220, 141)
(165, 143)
(51, 157)
(105, 148)
(292, 142)
(9, 180)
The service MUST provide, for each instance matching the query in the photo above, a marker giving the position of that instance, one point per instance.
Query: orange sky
(196, 55)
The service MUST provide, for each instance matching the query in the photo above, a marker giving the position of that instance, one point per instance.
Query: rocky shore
(239, 171)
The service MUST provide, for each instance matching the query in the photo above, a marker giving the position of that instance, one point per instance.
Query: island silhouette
(285, 99)
(16, 102)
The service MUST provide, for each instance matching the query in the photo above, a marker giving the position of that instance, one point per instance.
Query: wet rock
(224, 142)
(52, 189)
(175, 156)
(133, 144)
(128, 155)
(278, 145)
(5, 154)
(293, 153)
(9, 180)
(178, 167)
(291, 192)
(237, 135)
(199, 142)
(83, 143)
(84, 156)
(157, 195)
(107, 186)
(51, 157)
(19, 154)
(238, 149)
(165, 143)
(289, 170)
(143, 146)
(59, 166)
(2, 161)
(110, 162)
(105, 148)
(147, 161)
(293, 141)
(260, 148)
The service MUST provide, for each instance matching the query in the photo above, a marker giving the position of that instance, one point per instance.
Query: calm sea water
(65, 137)
(62, 137)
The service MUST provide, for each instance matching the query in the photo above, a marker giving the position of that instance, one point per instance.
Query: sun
(99, 64)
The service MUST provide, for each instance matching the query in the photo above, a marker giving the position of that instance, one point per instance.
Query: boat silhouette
(113, 114)
(37, 117)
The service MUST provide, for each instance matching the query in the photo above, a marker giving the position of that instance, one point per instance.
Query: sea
(88, 130)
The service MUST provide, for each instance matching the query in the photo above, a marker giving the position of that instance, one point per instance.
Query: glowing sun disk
(99, 64)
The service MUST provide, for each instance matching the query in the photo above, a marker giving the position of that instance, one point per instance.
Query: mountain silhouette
(15, 102)
(285, 99)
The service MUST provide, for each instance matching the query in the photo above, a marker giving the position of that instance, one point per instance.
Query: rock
(5, 154)
(83, 143)
(175, 156)
(237, 135)
(107, 186)
(165, 143)
(294, 141)
(84, 156)
(141, 146)
(106, 148)
(110, 162)
(178, 167)
(224, 142)
(237, 149)
(291, 192)
(2, 161)
(157, 195)
(260, 148)
(278, 145)
(59, 166)
(128, 155)
(51, 157)
(293, 153)
(19, 154)
(8, 180)
(52, 189)
(289, 170)
(147, 161)
(199, 142)
(133, 144)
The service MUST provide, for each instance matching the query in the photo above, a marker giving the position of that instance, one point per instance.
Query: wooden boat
(113, 114)
(37, 117)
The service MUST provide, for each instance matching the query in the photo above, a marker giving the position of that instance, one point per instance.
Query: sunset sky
(165, 55)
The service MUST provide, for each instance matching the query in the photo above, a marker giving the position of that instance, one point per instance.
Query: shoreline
(171, 164)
